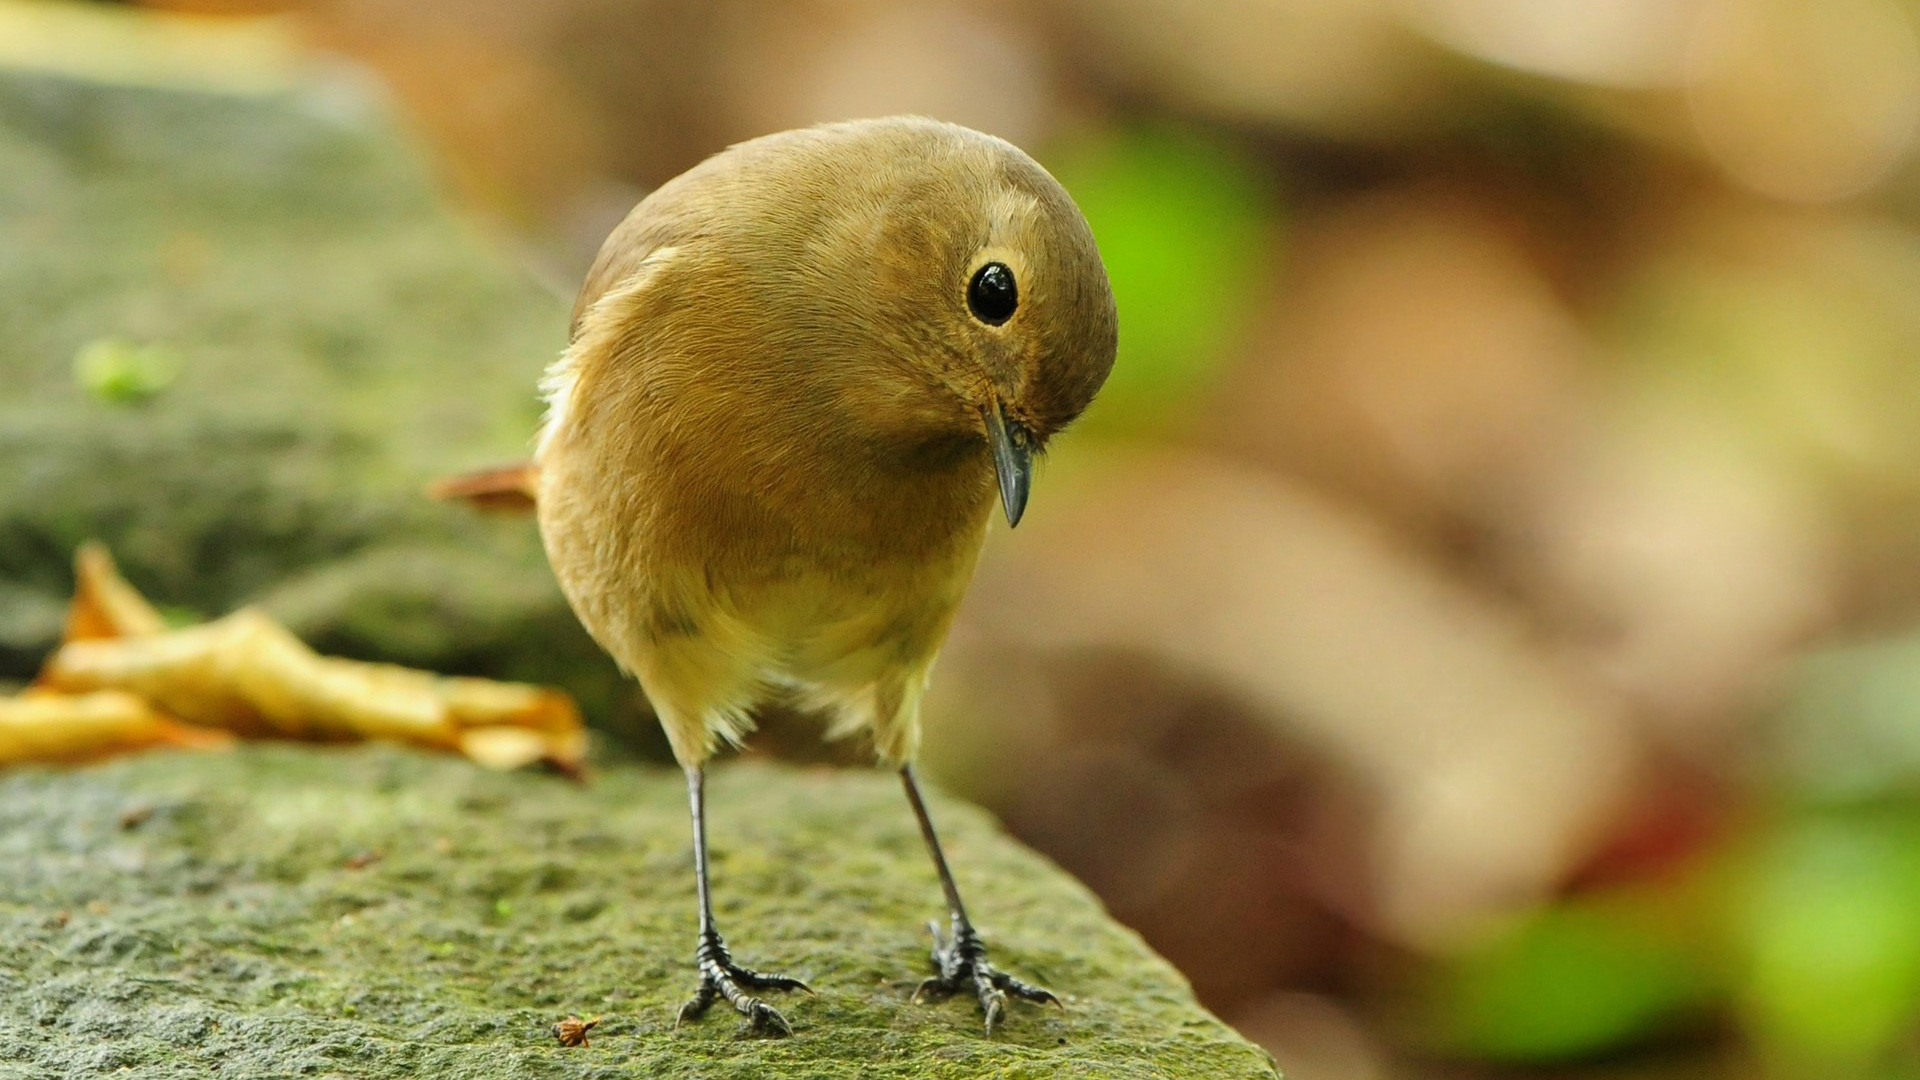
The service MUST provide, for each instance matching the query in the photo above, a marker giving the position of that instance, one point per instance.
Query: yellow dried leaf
(483, 702)
(305, 695)
(247, 674)
(45, 726)
(504, 748)
(177, 671)
(104, 605)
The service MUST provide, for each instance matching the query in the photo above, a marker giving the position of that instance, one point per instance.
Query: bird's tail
(506, 487)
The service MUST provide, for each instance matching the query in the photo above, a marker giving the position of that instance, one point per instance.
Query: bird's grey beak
(1012, 459)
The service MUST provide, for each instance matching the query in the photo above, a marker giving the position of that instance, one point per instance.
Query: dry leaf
(104, 605)
(506, 748)
(573, 1031)
(247, 674)
(45, 726)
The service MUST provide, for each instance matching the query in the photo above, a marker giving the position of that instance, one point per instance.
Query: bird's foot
(962, 963)
(720, 978)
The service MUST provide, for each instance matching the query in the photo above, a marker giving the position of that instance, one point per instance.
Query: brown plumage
(798, 373)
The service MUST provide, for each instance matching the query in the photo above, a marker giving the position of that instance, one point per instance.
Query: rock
(242, 332)
(375, 912)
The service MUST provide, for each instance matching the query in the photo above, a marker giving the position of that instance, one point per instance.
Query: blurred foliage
(1807, 935)
(1807, 339)
(1846, 729)
(1187, 227)
(1572, 982)
(1829, 924)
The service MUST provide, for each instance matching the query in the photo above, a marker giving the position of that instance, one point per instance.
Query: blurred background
(1477, 631)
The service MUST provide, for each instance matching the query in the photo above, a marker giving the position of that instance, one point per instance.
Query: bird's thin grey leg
(961, 959)
(720, 977)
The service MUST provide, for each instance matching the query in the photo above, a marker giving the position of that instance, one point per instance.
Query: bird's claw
(962, 962)
(720, 978)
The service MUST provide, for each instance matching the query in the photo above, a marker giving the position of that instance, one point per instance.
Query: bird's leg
(961, 959)
(720, 977)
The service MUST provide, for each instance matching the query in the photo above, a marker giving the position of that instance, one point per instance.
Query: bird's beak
(1012, 459)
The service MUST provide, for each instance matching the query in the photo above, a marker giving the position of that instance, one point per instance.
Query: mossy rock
(375, 912)
(238, 335)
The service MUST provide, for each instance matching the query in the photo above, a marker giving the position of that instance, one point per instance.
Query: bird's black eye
(992, 294)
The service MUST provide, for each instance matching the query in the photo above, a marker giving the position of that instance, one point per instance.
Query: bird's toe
(765, 1019)
(962, 959)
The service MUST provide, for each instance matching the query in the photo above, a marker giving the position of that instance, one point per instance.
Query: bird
(798, 378)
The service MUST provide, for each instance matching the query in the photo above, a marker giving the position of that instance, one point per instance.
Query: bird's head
(994, 295)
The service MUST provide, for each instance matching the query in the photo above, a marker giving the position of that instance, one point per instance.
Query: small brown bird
(798, 374)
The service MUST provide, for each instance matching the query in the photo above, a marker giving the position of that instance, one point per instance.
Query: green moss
(229, 927)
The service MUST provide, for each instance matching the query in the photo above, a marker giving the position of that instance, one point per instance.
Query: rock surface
(238, 334)
(373, 912)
